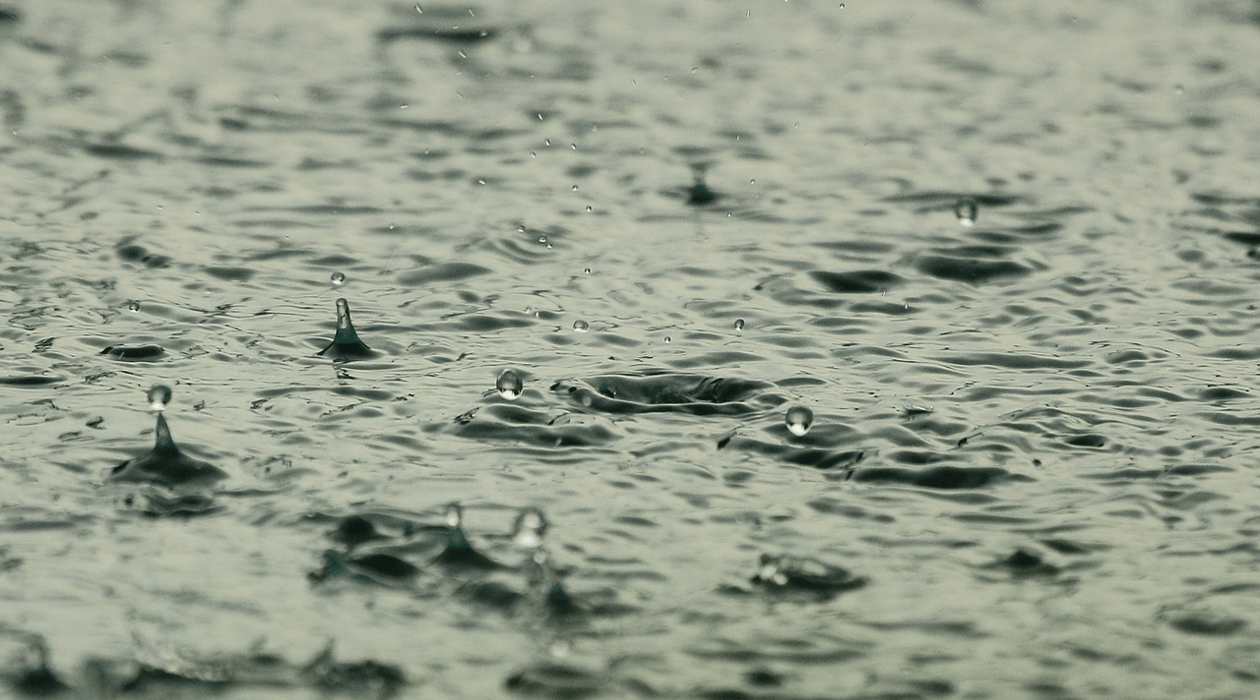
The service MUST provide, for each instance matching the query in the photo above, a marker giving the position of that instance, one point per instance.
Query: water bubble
(529, 528)
(739, 324)
(133, 306)
(798, 420)
(581, 326)
(509, 385)
(966, 210)
(338, 278)
(159, 397)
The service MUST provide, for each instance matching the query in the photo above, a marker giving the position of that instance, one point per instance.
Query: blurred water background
(1005, 253)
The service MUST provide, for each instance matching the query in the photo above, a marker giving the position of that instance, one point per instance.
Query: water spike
(167, 466)
(163, 442)
(346, 344)
(459, 553)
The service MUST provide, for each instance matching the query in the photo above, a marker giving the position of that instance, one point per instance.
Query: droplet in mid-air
(739, 324)
(529, 528)
(459, 553)
(338, 278)
(509, 385)
(159, 397)
(581, 326)
(798, 420)
(454, 515)
(133, 306)
(966, 210)
(346, 344)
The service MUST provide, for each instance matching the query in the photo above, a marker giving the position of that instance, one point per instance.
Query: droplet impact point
(798, 420)
(346, 344)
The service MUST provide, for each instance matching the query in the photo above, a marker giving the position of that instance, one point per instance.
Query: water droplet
(798, 420)
(581, 326)
(159, 397)
(575, 188)
(542, 239)
(667, 339)
(454, 515)
(587, 270)
(529, 528)
(966, 210)
(588, 209)
(509, 385)
(338, 278)
(739, 324)
(133, 306)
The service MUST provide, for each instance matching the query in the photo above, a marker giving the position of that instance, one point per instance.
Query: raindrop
(133, 306)
(542, 239)
(159, 397)
(667, 339)
(454, 515)
(575, 188)
(587, 270)
(529, 528)
(966, 210)
(588, 209)
(509, 385)
(581, 326)
(798, 420)
(739, 324)
(338, 278)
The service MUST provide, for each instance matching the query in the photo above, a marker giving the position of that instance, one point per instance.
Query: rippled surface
(1004, 253)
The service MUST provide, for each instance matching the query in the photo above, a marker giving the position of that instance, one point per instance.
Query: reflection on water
(850, 352)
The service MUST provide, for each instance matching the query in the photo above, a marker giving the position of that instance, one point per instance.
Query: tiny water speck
(159, 397)
(966, 210)
(338, 278)
(798, 420)
(509, 385)
(581, 326)
(133, 306)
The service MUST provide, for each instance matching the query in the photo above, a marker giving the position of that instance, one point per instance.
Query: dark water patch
(556, 680)
(9, 15)
(30, 381)
(816, 457)
(135, 353)
(231, 274)
(1025, 562)
(227, 162)
(530, 427)
(1203, 623)
(857, 282)
(379, 568)
(664, 392)
(1009, 360)
(945, 477)
(1224, 393)
(132, 252)
(969, 269)
(930, 201)
(118, 151)
(442, 272)
(834, 506)
(1090, 440)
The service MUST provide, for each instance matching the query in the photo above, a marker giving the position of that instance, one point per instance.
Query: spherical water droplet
(575, 188)
(454, 515)
(966, 210)
(581, 326)
(589, 209)
(587, 270)
(509, 385)
(338, 278)
(529, 528)
(798, 420)
(159, 397)
(133, 306)
(739, 324)
(667, 339)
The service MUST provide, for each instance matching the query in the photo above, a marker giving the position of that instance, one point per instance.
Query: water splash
(346, 344)
(529, 528)
(166, 465)
(699, 194)
(798, 420)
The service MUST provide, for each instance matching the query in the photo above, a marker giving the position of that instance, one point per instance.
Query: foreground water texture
(697, 349)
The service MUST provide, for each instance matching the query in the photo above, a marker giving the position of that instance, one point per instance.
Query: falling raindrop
(798, 420)
(509, 385)
(739, 324)
(581, 326)
(159, 397)
(338, 278)
(133, 306)
(587, 270)
(966, 210)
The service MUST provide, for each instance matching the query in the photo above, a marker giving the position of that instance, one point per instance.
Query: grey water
(764, 350)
